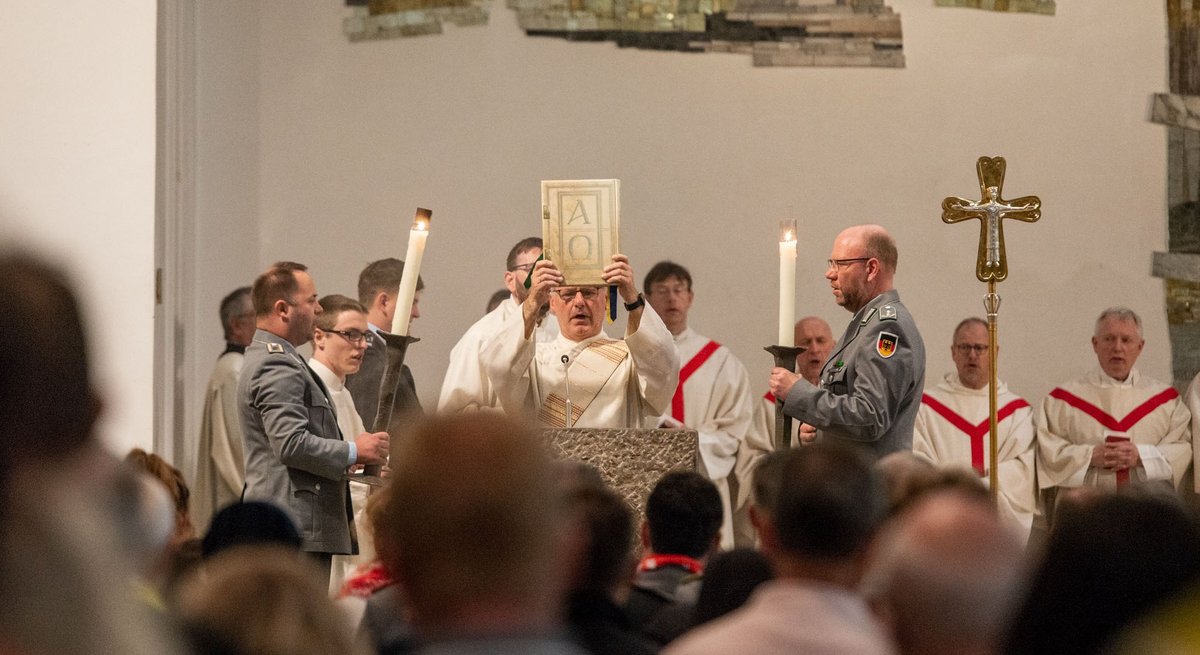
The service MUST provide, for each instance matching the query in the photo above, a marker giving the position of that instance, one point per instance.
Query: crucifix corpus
(991, 266)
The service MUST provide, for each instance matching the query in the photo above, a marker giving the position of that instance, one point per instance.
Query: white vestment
(713, 399)
(465, 387)
(220, 464)
(632, 390)
(1081, 414)
(351, 425)
(759, 441)
(952, 431)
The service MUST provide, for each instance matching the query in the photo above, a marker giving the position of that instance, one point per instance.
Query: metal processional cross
(991, 266)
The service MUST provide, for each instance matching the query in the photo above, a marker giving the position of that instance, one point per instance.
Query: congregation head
(946, 575)
(1109, 558)
(604, 527)
(45, 357)
(828, 505)
(683, 515)
(474, 521)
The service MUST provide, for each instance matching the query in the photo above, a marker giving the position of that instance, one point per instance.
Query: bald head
(946, 576)
(814, 335)
(862, 265)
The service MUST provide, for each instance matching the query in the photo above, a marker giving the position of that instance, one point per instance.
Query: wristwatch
(640, 302)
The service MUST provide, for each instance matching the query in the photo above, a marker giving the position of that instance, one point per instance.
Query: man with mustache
(296, 455)
(952, 425)
(871, 386)
(603, 382)
(1114, 426)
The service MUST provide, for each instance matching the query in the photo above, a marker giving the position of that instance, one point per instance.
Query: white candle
(412, 270)
(787, 283)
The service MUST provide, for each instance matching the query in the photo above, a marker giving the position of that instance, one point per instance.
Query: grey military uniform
(871, 385)
(295, 455)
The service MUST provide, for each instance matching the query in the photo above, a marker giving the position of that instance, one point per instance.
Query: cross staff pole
(991, 266)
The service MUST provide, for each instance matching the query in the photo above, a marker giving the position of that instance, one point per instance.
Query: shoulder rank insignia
(886, 346)
(887, 313)
(273, 347)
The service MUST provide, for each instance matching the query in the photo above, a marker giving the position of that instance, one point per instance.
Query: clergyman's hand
(621, 274)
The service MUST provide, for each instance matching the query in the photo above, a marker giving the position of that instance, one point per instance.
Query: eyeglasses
(968, 348)
(523, 267)
(839, 264)
(355, 337)
(567, 295)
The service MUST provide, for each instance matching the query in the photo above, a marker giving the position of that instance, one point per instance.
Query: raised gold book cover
(580, 220)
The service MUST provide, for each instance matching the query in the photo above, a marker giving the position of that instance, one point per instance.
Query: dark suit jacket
(364, 388)
(295, 455)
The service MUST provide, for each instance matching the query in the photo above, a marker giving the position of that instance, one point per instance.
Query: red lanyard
(658, 561)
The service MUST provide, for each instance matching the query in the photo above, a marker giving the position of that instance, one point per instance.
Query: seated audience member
(823, 509)
(263, 600)
(729, 579)
(601, 572)
(374, 587)
(476, 537)
(181, 550)
(66, 519)
(904, 476)
(682, 528)
(248, 524)
(946, 576)
(1108, 559)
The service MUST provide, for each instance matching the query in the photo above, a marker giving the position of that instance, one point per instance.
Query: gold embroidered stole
(591, 370)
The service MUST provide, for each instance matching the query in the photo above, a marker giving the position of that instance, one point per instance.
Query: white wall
(349, 138)
(77, 130)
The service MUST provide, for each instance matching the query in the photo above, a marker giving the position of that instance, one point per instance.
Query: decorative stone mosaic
(630, 461)
(1046, 7)
(773, 32)
(1179, 110)
(388, 19)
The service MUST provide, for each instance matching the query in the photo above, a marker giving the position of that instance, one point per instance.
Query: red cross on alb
(685, 373)
(975, 432)
(1117, 425)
